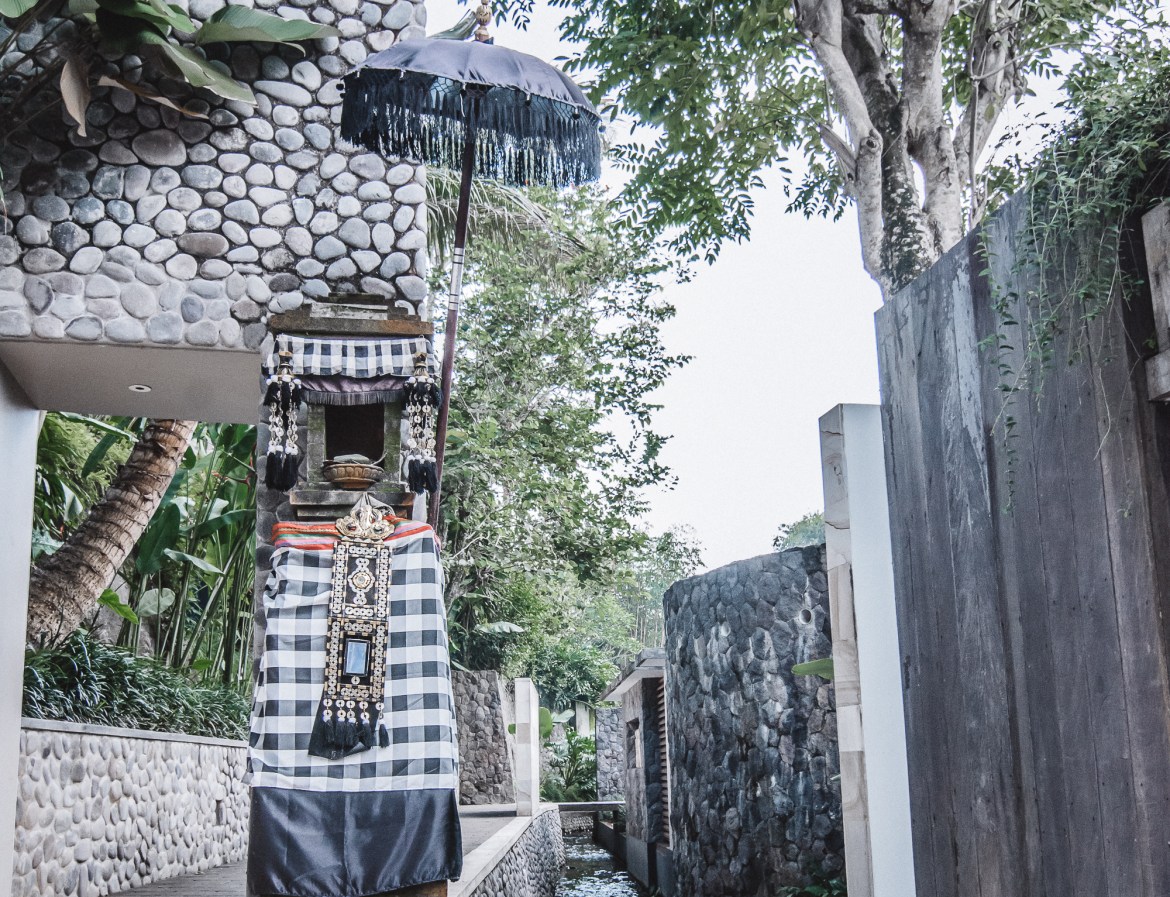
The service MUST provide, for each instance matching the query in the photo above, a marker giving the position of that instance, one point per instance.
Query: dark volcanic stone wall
(483, 713)
(611, 754)
(753, 749)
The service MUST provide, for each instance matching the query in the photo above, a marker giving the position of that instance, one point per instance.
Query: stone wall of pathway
(102, 810)
(611, 754)
(533, 866)
(157, 228)
(755, 803)
(483, 713)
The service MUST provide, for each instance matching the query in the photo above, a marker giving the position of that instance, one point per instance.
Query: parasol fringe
(519, 140)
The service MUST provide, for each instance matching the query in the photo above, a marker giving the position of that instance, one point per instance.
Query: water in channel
(592, 872)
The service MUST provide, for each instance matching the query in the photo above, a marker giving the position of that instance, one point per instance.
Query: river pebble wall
(534, 865)
(158, 228)
(103, 810)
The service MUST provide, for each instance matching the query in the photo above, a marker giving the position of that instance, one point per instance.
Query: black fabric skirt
(351, 844)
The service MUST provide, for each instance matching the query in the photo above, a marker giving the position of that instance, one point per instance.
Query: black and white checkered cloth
(350, 357)
(419, 710)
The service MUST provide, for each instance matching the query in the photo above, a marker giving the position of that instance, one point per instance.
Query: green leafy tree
(890, 105)
(808, 530)
(551, 446)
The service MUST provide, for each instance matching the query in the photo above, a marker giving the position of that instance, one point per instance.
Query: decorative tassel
(282, 395)
(423, 397)
(520, 139)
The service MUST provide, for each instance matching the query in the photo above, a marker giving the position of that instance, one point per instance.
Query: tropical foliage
(184, 595)
(572, 770)
(550, 449)
(47, 41)
(86, 681)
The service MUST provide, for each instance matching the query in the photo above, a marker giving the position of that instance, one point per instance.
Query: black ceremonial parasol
(493, 112)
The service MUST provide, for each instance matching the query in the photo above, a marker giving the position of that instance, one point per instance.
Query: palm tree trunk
(65, 586)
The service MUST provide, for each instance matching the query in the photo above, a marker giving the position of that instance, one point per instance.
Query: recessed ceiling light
(139, 387)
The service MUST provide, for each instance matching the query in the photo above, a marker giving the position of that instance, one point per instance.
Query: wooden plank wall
(1032, 573)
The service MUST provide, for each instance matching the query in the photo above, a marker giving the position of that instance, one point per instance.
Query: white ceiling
(191, 384)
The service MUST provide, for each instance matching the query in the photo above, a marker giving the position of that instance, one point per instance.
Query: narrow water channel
(591, 871)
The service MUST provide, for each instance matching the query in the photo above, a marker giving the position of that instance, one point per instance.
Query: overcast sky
(781, 330)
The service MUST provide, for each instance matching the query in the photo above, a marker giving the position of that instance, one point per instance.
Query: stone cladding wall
(753, 748)
(533, 867)
(611, 753)
(162, 229)
(101, 810)
(483, 714)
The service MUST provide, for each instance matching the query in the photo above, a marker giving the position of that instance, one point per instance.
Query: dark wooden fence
(1032, 568)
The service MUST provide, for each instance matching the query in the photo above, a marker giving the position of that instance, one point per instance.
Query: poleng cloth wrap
(375, 821)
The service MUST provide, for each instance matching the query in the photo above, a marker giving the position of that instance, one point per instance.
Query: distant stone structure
(483, 711)
(753, 753)
(611, 754)
(645, 769)
(102, 810)
(159, 229)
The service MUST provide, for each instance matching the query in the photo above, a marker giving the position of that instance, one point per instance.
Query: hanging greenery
(1084, 195)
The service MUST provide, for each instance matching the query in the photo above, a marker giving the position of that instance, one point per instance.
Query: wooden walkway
(478, 823)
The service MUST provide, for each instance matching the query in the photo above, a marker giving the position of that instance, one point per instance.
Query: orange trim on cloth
(317, 536)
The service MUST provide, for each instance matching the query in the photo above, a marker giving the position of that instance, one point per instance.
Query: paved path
(478, 823)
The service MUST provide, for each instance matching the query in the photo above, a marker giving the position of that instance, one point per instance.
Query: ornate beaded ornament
(359, 630)
(423, 397)
(282, 395)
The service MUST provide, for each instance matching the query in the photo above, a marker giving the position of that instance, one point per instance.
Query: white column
(527, 748)
(871, 731)
(19, 427)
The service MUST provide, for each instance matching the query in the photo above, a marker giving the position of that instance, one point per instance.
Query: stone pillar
(611, 754)
(527, 748)
(866, 657)
(19, 428)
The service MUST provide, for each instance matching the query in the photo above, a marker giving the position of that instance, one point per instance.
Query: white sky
(781, 330)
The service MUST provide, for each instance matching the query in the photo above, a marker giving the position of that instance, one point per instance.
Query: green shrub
(572, 775)
(85, 681)
(821, 886)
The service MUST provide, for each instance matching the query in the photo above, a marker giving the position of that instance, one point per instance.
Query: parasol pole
(453, 301)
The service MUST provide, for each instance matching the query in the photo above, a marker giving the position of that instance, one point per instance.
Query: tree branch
(993, 67)
(928, 134)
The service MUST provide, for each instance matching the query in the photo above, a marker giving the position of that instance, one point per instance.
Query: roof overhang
(649, 664)
(213, 384)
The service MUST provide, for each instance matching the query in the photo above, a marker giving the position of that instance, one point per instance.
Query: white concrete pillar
(871, 729)
(527, 748)
(19, 428)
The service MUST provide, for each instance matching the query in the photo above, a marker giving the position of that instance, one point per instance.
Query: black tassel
(274, 469)
(288, 473)
(339, 737)
(272, 393)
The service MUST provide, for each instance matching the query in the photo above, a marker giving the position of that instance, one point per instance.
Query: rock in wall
(102, 810)
(483, 714)
(611, 754)
(753, 752)
(533, 867)
(157, 228)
